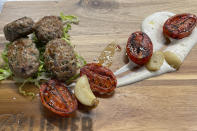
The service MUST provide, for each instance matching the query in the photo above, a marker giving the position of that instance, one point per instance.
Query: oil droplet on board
(107, 54)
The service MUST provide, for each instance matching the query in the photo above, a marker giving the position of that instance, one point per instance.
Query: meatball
(60, 59)
(23, 58)
(48, 28)
(18, 28)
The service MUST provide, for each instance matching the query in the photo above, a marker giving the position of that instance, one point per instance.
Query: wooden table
(167, 102)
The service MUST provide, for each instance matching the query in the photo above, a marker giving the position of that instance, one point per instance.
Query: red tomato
(57, 98)
(139, 48)
(179, 26)
(101, 79)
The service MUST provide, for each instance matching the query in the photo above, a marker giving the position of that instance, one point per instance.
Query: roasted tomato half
(139, 48)
(179, 26)
(57, 98)
(101, 79)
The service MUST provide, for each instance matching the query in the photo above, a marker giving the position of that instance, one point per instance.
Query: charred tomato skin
(101, 79)
(179, 26)
(139, 48)
(57, 98)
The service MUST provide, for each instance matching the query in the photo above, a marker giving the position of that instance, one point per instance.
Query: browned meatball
(18, 28)
(23, 58)
(48, 28)
(60, 59)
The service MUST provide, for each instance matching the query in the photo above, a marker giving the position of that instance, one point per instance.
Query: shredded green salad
(42, 75)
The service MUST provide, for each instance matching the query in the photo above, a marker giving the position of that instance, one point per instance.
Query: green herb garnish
(5, 71)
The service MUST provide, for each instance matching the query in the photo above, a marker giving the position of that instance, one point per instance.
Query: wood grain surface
(163, 103)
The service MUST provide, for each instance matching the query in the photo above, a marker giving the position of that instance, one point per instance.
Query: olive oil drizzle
(107, 54)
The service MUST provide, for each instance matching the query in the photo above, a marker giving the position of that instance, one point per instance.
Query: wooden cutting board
(163, 103)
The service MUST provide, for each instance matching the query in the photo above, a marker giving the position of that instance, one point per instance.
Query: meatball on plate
(48, 28)
(18, 28)
(60, 59)
(23, 58)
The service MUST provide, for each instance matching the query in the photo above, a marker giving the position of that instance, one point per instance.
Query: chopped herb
(71, 19)
(68, 20)
(5, 71)
(24, 92)
(71, 79)
(80, 61)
